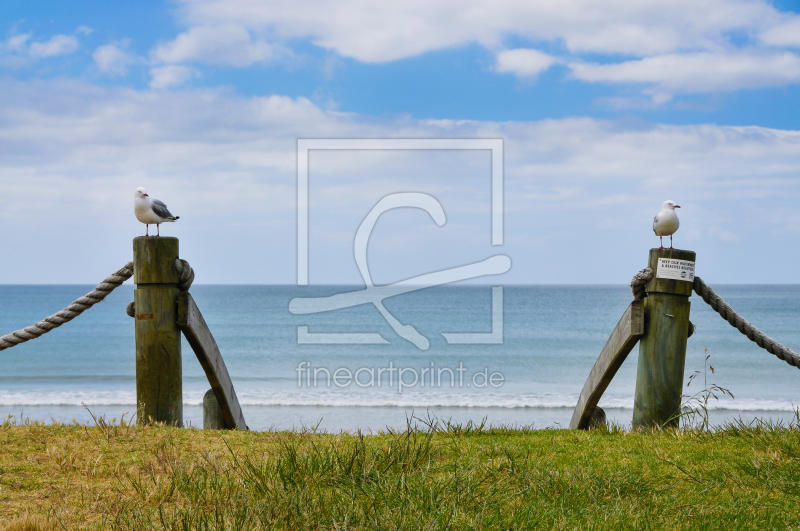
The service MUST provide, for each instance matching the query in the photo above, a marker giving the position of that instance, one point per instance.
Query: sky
(605, 109)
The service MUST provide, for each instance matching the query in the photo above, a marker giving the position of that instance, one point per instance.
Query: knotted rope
(186, 274)
(186, 277)
(726, 312)
(70, 312)
(639, 280)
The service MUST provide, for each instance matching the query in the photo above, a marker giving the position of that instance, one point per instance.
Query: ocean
(552, 336)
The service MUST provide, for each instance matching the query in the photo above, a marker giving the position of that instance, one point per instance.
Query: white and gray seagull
(666, 222)
(151, 211)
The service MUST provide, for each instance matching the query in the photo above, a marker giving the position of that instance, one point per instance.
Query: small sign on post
(675, 269)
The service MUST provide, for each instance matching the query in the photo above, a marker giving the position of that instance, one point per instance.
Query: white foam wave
(68, 398)
(419, 400)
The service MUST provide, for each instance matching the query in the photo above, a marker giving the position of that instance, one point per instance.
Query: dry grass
(456, 477)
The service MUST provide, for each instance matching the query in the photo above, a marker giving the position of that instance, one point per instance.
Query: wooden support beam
(624, 337)
(194, 327)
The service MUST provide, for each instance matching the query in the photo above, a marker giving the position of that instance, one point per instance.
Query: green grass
(450, 477)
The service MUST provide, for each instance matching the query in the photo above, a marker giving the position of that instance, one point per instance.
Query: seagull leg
(670, 241)
(661, 238)
(147, 230)
(158, 229)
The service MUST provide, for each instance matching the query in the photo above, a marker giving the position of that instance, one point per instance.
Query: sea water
(551, 337)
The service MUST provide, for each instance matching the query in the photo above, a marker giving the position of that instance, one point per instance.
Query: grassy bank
(122, 477)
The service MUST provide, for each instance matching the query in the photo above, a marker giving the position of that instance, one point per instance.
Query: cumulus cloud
(170, 75)
(57, 45)
(21, 49)
(17, 43)
(523, 62)
(226, 164)
(787, 33)
(697, 72)
(376, 33)
(226, 44)
(113, 58)
(682, 36)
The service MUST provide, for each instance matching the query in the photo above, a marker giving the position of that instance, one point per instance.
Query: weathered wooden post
(662, 350)
(213, 418)
(159, 385)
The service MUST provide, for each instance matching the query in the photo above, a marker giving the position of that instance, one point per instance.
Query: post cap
(154, 260)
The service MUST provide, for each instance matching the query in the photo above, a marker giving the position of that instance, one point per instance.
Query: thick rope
(726, 312)
(70, 312)
(186, 277)
(639, 280)
(186, 274)
(740, 323)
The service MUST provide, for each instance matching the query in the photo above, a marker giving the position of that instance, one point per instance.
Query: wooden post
(213, 419)
(662, 350)
(159, 385)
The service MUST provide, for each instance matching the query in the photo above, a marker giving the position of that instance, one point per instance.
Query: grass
(119, 476)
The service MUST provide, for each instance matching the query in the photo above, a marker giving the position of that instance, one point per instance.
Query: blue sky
(606, 110)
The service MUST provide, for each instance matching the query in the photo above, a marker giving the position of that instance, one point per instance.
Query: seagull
(666, 222)
(151, 211)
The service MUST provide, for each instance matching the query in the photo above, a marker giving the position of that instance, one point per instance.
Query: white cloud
(113, 59)
(57, 45)
(682, 36)
(787, 33)
(382, 32)
(523, 62)
(227, 165)
(20, 50)
(17, 43)
(226, 44)
(170, 75)
(697, 72)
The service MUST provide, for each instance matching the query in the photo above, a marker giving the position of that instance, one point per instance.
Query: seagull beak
(149, 196)
(676, 206)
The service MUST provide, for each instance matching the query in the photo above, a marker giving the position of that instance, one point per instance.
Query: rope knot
(186, 274)
(639, 280)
